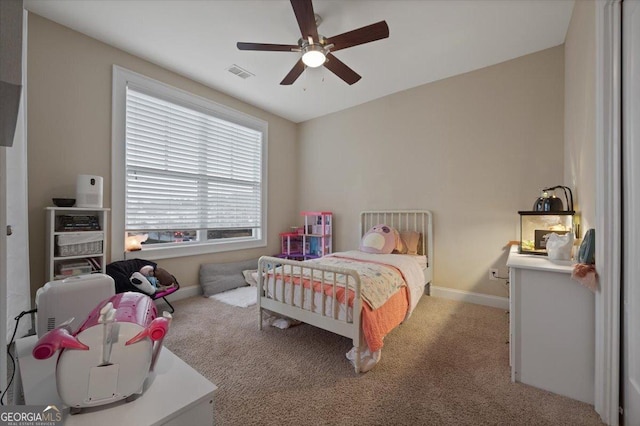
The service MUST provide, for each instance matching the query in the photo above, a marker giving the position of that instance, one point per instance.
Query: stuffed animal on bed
(149, 280)
(381, 239)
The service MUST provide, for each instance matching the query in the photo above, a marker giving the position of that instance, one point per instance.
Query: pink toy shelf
(310, 241)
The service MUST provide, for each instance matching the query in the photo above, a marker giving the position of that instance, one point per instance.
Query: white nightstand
(175, 394)
(552, 327)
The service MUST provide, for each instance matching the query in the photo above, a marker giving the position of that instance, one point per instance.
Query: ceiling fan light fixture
(313, 55)
(315, 49)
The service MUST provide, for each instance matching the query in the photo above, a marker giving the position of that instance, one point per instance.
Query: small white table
(175, 394)
(552, 327)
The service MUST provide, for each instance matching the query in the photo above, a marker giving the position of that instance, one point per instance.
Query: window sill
(155, 253)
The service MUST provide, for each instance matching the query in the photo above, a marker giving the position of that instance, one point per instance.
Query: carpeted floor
(447, 365)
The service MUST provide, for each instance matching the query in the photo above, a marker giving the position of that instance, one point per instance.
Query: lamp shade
(313, 56)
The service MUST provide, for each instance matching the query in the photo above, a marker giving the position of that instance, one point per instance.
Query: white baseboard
(445, 293)
(468, 296)
(185, 292)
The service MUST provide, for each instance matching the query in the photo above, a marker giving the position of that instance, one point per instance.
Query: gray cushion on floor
(218, 277)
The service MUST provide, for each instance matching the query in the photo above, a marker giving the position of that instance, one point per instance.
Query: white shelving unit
(93, 255)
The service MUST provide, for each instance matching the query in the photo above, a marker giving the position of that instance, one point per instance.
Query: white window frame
(121, 78)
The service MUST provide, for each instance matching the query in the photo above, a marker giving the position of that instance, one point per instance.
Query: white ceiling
(429, 40)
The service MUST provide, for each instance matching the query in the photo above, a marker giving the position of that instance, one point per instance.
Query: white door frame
(10, 194)
(630, 319)
(608, 209)
(3, 271)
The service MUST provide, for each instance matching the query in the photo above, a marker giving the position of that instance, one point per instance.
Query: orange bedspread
(376, 323)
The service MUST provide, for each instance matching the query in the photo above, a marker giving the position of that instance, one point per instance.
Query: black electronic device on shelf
(70, 223)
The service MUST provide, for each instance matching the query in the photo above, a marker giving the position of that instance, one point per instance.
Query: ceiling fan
(316, 49)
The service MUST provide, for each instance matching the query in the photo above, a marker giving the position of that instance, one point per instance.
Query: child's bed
(382, 288)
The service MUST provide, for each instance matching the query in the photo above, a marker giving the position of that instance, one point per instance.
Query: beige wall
(580, 113)
(69, 107)
(474, 149)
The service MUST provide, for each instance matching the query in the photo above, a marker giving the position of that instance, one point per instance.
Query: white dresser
(176, 394)
(552, 327)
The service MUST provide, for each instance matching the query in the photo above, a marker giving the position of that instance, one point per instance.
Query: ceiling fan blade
(293, 75)
(267, 47)
(306, 18)
(372, 32)
(339, 68)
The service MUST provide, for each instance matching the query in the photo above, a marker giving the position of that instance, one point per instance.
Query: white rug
(241, 296)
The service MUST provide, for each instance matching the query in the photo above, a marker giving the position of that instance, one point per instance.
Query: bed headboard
(403, 220)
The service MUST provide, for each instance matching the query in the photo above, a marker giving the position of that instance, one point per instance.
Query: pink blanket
(376, 323)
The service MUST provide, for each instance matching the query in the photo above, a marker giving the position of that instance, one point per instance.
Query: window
(188, 174)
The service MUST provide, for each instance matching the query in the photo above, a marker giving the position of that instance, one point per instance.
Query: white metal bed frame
(402, 220)
(405, 220)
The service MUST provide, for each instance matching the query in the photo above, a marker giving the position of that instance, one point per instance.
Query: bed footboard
(313, 293)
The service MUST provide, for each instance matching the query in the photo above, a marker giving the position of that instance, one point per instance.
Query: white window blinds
(187, 169)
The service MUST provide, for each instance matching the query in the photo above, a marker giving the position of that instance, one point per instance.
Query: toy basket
(79, 244)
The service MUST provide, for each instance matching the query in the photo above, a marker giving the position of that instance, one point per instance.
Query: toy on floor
(109, 357)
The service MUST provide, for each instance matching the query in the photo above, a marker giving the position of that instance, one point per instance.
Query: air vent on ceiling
(240, 72)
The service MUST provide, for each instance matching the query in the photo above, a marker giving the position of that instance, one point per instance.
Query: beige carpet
(447, 365)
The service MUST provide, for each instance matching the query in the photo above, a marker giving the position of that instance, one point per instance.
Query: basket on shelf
(79, 244)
